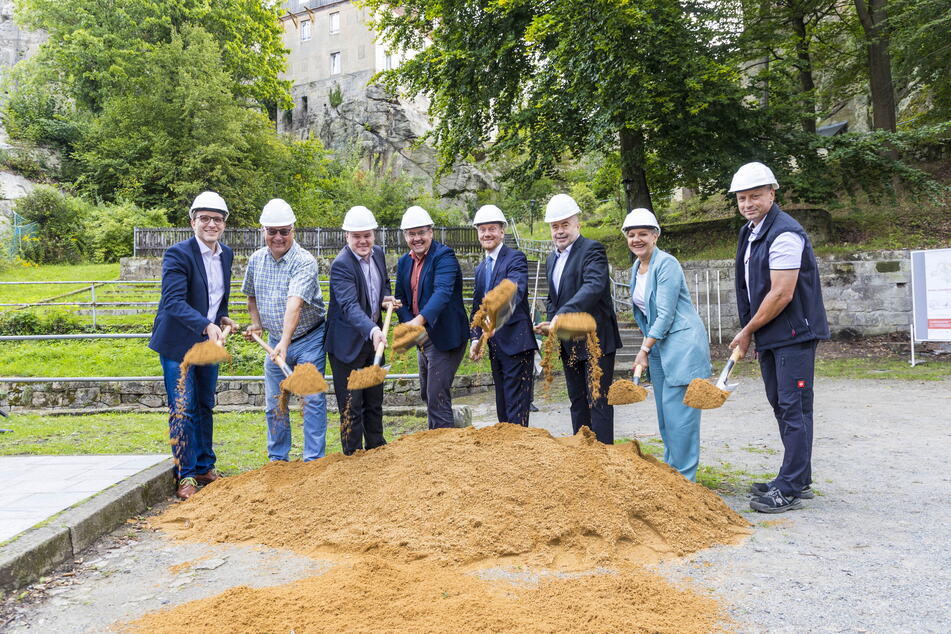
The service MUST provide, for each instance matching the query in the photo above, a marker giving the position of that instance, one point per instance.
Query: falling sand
(702, 394)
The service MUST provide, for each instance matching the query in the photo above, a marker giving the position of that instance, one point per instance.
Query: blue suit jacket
(672, 319)
(585, 288)
(440, 296)
(348, 314)
(516, 334)
(182, 311)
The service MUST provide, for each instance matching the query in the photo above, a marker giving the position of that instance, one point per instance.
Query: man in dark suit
(429, 287)
(512, 347)
(359, 288)
(579, 282)
(196, 283)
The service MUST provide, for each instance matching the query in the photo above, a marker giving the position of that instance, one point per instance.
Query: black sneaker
(762, 488)
(775, 502)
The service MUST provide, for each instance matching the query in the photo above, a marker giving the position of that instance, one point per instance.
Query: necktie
(488, 274)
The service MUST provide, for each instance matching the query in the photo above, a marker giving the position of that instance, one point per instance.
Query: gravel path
(868, 554)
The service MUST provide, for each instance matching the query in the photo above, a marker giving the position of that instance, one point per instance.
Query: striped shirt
(270, 282)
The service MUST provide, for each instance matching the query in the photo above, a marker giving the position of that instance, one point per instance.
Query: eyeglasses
(418, 233)
(218, 220)
(283, 232)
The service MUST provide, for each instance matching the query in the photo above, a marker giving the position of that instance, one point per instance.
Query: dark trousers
(190, 423)
(437, 369)
(598, 416)
(513, 384)
(788, 376)
(363, 427)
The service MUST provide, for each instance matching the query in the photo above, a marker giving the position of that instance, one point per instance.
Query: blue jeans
(307, 349)
(190, 430)
(679, 424)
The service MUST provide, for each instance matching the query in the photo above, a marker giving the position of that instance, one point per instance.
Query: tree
(95, 48)
(546, 79)
(873, 17)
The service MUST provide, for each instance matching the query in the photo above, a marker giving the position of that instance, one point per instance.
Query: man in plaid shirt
(284, 298)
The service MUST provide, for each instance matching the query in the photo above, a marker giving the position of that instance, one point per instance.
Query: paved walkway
(37, 487)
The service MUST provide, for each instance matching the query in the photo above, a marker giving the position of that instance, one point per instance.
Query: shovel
(303, 380)
(701, 394)
(574, 325)
(404, 337)
(374, 374)
(624, 392)
(208, 352)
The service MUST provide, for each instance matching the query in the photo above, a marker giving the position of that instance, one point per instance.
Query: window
(304, 30)
(303, 104)
(335, 22)
(335, 63)
(388, 61)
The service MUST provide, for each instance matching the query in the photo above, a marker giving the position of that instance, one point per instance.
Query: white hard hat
(416, 216)
(640, 217)
(277, 213)
(751, 176)
(561, 206)
(208, 201)
(359, 218)
(488, 213)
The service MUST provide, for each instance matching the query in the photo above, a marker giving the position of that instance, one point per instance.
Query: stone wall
(865, 293)
(92, 396)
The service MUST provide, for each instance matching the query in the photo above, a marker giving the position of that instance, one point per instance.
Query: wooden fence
(321, 242)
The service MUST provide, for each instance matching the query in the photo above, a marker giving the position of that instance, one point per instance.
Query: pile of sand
(371, 595)
(463, 496)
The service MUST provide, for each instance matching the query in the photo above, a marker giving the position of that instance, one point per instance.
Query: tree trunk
(633, 175)
(872, 15)
(804, 66)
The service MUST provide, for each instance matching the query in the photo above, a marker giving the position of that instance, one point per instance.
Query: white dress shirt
(216, 278)
(560, 266)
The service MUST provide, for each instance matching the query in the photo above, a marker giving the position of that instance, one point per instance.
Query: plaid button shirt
(270, 282)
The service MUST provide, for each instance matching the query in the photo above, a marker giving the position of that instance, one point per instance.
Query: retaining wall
(92, 396)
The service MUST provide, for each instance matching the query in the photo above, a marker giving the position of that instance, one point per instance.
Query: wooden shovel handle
(386, 329)
(279, 361)
(224, 335)
(638, 369)
(728, 368)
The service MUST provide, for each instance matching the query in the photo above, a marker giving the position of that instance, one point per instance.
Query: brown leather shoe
(187, 488)
(208, 478)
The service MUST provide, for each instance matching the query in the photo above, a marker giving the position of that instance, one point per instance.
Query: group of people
(778, 296)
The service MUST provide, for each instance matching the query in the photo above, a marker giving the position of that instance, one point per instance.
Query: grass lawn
(50, 272)
(240, 438)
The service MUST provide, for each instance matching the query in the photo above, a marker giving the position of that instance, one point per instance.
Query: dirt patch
(468, 496)
(372, 595)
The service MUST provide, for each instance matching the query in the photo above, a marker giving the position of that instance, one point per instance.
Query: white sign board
(931, 294)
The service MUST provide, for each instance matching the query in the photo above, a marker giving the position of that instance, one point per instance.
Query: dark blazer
(585, 288)
(516, 335)
(440, 296)
(182, 312)
(348, 314)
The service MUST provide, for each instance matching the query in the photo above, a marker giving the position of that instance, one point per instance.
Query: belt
(309, 332)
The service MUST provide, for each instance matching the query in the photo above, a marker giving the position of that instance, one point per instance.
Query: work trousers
(514, 384)
(598, 416)
(307, 349)
(190, 423)
(679, 424)
(788, 374)
(361, 411)
(437, 369)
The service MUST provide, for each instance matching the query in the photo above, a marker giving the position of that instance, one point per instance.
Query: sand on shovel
(304, 380)
(574, 325)
(366, 377)
(496, 494)
(496, 299)
(625, 392)
(405, 337)
(702, 394)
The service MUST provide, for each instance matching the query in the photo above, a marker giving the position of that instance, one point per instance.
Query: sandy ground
(868, 554)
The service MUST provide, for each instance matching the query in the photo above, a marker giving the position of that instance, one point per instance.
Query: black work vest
(804, 318)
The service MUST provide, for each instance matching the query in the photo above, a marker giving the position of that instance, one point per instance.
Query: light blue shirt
(270, 282)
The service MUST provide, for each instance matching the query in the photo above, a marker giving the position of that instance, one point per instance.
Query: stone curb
(39, 550)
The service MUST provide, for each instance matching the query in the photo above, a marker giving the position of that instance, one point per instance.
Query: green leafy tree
(549, 79)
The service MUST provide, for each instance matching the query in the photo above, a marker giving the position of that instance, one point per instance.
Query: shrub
(60, 219)
(110, 229)
(28, 322)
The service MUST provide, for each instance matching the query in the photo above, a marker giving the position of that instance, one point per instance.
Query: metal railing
(320, 241)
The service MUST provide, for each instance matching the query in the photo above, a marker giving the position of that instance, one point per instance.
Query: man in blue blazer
(429, 287)
(512, 347)
(359, 288)
(579, 281)
(196, 283)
